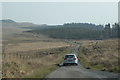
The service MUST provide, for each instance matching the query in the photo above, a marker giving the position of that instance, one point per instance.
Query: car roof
(70, 54)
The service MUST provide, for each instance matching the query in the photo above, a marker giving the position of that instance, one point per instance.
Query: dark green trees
(80, 31)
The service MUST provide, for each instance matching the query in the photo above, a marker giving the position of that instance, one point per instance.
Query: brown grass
(101, 54)
(31, 56)
(34, 46)
(32, 64)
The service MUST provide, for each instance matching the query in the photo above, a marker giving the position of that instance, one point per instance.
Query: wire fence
(27, 55)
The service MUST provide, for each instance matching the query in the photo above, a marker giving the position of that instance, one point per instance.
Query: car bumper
(70, 62)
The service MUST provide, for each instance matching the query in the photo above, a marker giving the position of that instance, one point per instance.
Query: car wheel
(76, 64)
(64, 64)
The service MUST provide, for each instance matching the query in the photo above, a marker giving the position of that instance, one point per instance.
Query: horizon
(57, 24)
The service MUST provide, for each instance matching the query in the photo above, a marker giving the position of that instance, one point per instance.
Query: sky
(61, 12)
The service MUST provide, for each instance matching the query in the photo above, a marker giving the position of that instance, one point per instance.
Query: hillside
(11, 27)
(71, 31)
(12, 23)
(68, 33)
(79, 31)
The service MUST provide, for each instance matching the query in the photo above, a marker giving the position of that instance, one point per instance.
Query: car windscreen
(69, 56)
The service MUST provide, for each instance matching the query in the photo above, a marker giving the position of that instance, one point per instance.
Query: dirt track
(79, 71)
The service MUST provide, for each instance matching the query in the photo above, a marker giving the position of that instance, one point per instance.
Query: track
(79, 71)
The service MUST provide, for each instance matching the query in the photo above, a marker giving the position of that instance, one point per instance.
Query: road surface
(79, 71)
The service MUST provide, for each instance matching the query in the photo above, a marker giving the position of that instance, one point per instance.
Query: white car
(70, 59)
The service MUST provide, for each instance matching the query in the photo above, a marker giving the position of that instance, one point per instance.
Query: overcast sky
(61, 12)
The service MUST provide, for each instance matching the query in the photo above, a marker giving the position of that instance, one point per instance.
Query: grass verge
(84, 60)
(49, 66)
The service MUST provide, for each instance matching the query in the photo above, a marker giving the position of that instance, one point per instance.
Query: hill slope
(71, 31)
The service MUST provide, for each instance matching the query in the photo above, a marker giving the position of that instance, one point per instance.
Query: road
(79, 71)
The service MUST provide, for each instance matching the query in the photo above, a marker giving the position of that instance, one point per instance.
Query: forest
(80, 31)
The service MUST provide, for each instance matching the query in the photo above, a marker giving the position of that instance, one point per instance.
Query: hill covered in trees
(79, 31)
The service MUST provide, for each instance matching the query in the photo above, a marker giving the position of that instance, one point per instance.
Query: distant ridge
(7, 21)
(12, 23)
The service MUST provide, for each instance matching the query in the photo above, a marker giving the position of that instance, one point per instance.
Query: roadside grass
(28, 55)
(105, 58)
(86, 63)
(34, 67)
(42, 72)
(49, 66)
(82, 58)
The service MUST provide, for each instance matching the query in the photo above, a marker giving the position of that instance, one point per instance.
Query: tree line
(80, 31)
